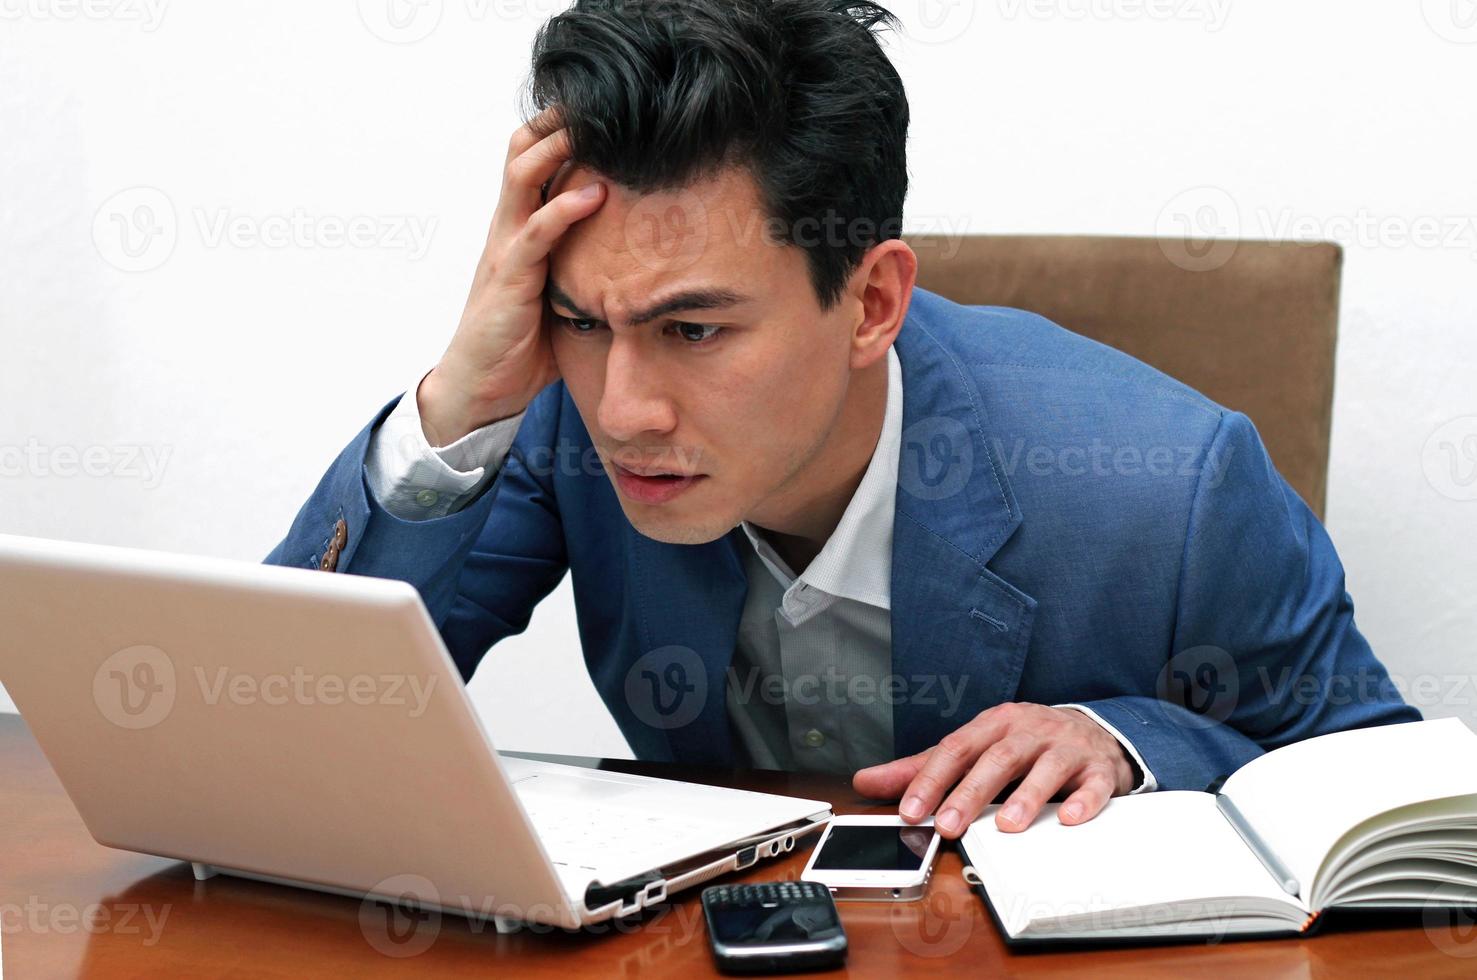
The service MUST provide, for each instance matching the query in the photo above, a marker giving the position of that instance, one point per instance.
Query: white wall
(238, 368)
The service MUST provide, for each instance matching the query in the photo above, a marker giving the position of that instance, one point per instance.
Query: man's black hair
(659, 93)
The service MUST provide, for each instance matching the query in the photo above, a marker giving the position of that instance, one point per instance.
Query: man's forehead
(721, 211)
(637, 245)
(728, 187)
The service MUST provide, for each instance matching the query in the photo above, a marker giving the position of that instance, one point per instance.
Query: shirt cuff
(417, 482)
(1149, 783)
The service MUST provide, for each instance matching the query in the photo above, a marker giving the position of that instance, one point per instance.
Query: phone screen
(786, 923)
(850, 847)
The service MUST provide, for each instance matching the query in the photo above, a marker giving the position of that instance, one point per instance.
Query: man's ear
(884, 284)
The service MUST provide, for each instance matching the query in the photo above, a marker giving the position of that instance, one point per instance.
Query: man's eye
(580, 326)
(696, 333)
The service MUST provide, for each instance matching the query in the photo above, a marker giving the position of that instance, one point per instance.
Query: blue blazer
(1071, 526)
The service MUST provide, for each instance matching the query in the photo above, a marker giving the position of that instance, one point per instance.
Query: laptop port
(627, 891)
(748, 856)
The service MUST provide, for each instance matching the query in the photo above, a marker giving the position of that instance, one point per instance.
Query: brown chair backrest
(1252, 325)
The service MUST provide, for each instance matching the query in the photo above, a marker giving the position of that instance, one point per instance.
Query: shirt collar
(856, 560)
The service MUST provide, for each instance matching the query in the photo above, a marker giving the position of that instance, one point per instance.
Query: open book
(1381, 817)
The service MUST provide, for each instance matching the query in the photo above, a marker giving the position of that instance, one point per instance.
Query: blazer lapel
(959, 631)
(691, 600)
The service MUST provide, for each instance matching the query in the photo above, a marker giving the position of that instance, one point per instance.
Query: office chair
(1252, 325)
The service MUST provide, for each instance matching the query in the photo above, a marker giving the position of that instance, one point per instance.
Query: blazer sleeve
(480, 571)
(1266, 651)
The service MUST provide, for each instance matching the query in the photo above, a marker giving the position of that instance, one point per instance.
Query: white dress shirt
(416, 482)
(807, 687)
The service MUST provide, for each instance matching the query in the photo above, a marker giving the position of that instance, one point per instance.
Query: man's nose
(632, 403)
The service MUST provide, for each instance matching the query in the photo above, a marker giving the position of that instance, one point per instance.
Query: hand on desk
(1051, 750)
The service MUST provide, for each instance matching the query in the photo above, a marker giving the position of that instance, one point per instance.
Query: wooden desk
(71, 908)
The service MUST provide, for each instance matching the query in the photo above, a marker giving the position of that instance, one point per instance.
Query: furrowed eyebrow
(559, 296)
(692, 299)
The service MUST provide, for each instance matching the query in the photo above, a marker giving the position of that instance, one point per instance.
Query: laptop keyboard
(592, 835)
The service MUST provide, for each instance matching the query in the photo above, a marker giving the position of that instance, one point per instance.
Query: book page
(1147, 850)
(1303, 797)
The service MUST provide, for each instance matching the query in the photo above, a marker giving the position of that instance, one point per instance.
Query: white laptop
(311, 729)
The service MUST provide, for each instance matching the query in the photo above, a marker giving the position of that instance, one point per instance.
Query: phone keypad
(765, 894)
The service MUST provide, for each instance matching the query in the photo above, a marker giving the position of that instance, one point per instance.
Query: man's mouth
(653, 486)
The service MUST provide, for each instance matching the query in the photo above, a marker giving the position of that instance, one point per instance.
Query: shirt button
(814, 738)
(427, 498)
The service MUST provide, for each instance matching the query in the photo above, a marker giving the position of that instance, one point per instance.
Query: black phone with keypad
(773, 927)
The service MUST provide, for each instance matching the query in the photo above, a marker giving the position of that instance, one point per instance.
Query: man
(815, 517)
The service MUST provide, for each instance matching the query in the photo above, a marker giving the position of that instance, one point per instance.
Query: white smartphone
(874, 858)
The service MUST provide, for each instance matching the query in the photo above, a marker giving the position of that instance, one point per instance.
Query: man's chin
(674, 529)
